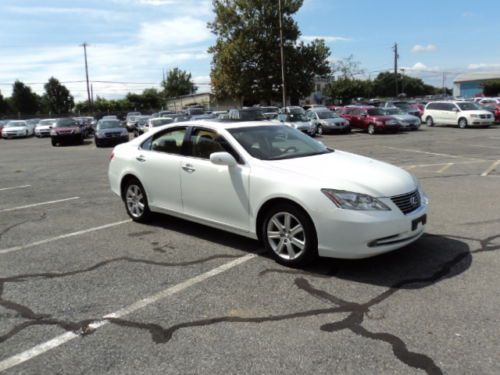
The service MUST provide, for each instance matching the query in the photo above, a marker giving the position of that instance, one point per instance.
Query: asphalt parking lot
(85, 290)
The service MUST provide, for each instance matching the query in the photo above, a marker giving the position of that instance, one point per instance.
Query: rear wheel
(319, 130)
(462, 123)
(371, 129)
(289, 235)
(136, 201)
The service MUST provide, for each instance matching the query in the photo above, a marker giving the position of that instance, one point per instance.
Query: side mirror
(455, 110)
(223, 158)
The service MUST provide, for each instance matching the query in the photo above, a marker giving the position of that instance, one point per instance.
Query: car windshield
(46, 122)
(277, 142)
(296, 117)
(394, 111)
(67, 123)
(404, 106)
(161, 121)
(468, 106)
(323, 115)
(108, 124)
(375, 112)
(14, 124)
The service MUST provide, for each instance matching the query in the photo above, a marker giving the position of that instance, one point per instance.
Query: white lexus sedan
(273, 183)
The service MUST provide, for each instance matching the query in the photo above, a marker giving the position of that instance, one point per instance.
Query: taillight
(111, 156)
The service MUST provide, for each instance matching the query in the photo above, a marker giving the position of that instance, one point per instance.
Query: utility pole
(84, 45)
(283, 87)
(396, 57)
(444, 82)
(92, 94)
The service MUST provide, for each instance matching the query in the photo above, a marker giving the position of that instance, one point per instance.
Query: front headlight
(354, 201)
(99, 134)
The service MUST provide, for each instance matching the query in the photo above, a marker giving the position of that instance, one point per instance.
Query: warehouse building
(469, 85)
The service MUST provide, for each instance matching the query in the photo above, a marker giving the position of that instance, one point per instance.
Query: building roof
(477, 76)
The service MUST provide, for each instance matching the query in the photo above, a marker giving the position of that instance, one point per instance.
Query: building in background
(469, 85)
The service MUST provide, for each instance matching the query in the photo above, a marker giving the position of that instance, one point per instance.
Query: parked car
(110, 132)
(85, 124)
(66, 130)
(194, 111)
(43, 127)
(299, 121)
(32, 124)
(406, 121)
(272, 183)
(110, 117)
(327, 121)
(130, 120)
(404, 106)
(17, 129)
(141, 122)
(458, 113)
(371, 119)
(245, 114)
(2, 124)
(159, 121)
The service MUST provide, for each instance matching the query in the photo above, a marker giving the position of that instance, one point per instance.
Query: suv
(371, 119)
(66, 130)
(460, 113)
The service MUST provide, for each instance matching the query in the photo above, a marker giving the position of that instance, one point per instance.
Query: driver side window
(169, 141)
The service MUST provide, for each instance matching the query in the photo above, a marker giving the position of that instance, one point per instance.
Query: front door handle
(188, 168)
(141, 158)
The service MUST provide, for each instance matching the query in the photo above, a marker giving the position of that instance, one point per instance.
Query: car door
(158, 163)
(451, 114)
(210, 192)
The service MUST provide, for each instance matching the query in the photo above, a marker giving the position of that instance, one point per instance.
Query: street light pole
(283, 87)
(84, 45)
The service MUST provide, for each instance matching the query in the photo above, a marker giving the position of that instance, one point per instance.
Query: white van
(459, 113)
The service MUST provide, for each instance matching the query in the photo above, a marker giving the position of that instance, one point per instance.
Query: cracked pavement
(429, 308)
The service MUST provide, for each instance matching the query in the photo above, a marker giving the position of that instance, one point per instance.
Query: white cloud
(175, 32)
(420, 67)
(428, 48)
(483, 66)
(328, 39)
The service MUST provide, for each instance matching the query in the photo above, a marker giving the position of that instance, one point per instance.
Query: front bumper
(480, 122)
(363, 234)
(42, 132)
(112, 140)
(67, 137)
(16, 134)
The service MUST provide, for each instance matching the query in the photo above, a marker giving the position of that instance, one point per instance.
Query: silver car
(327, 121)
(405, 120)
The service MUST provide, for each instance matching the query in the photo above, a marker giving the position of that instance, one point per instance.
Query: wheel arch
(261, 215)
(125, 179)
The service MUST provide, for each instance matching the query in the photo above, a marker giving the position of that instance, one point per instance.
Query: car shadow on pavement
(430, 259)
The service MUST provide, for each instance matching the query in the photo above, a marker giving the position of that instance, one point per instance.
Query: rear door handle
(141, 158)
(188, 168)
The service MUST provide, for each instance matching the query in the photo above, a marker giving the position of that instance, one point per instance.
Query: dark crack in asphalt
(4, 231)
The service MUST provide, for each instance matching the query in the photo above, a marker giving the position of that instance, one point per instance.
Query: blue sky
(132, 41)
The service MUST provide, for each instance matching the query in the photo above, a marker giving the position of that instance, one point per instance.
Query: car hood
(381, 118)
(44, 127)
(405, 117)
(15, 128)
(111, 130)
(66, 130)
(345, 171)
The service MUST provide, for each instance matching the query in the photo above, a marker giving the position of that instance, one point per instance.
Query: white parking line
(68, 336)
(15, 187)
(430, 153)
(38, 204)
(490, 169)
(445, 167)
(62, 236)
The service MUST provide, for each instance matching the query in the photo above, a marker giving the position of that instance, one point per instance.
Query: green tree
(246, 55)
(152, 99)
(57, 97)
(345, 89)
(178, 83)
(383, 85)
(492, 88)
(347, 68)
(4, 105)
(23, 99)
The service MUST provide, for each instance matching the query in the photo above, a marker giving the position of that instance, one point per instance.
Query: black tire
(371, 129)
(429, 121)
(462, 123)
(347, 131)
(53, 141)
(310, 247)
(319, 130)
(97, 143)
(133, 186)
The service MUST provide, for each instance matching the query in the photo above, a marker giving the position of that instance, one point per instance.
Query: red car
(66, 130)
(371, 119)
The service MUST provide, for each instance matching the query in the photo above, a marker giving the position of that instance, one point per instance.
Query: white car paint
(450, 113)
(230, 197)
(17, 129)
(44, 126)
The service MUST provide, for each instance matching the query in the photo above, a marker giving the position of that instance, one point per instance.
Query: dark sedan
(110, 132)
(66, 130)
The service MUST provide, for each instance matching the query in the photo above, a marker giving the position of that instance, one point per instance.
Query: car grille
(484, 116)
(407, 202)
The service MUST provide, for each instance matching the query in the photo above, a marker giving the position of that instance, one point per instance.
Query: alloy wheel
(135, 201)
(286, 236)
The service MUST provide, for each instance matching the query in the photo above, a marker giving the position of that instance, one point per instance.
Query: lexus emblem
(413, 201)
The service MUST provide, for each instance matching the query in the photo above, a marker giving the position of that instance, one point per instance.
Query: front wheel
(429, 121)
(371, 129)
(289, 235)
(53, 141)
(319, 130)
(136, 201)
(462, 123)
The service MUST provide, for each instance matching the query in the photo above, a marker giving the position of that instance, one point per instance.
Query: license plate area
(421, 220)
